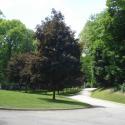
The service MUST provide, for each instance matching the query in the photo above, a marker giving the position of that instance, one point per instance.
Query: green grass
(109, 94)
(13, 99)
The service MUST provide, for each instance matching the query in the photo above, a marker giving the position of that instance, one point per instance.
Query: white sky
(31, 12)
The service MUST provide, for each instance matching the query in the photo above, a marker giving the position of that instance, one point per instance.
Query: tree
(1, 14)
(115, 6)
(116, 9)
(93, 37)
(103, 38)
(87, 69)
(59, 52)
(19, 70)
(15, 38)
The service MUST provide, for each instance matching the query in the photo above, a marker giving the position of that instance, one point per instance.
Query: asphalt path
(84, 96)
(103, 113)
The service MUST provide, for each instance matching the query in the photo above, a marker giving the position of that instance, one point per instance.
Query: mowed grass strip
(109, 94)
(14, 99)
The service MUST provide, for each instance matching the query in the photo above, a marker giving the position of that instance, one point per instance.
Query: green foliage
(15, 38)
(122, 87)
(56, 64)
(115, 6)
(104, 40)
(87, 67)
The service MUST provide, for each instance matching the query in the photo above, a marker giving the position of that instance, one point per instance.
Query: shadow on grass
(61, 101)
(69, 94)
(98, 106)
(40, 92)
(99, 89)
(50, 93)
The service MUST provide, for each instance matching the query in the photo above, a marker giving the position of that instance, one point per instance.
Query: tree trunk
(9, 51)
(58, 92)
(26, 88)
(54, 93)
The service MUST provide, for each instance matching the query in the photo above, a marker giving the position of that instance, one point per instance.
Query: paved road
(101, 115)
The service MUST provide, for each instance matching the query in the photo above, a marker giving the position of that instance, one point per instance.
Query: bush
(122, 87)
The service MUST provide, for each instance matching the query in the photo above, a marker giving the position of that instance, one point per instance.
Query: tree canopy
(56, 64)
(103, 38)
(15, 38)
(60, 52)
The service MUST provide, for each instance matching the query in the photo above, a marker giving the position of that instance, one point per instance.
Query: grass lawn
(108, 94)
(14, 99)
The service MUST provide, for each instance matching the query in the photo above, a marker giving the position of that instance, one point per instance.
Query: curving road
(104, 113)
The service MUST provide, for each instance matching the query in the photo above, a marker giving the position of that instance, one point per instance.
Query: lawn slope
(12, 99)
(109, 94)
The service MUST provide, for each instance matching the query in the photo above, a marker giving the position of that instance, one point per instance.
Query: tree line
(103, 38)
(47, 59)
(15, 39)
(50, 58)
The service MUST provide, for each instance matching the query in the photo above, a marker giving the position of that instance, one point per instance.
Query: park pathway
(84, 96)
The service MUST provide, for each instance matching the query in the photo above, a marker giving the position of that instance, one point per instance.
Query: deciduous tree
(59, 52)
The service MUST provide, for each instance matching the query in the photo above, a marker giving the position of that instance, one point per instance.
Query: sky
(31, 12)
